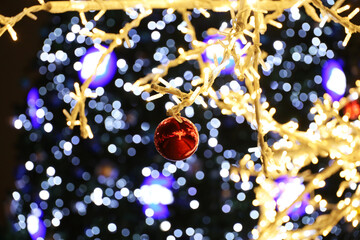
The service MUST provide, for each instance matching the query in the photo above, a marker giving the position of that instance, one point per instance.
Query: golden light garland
(331, 136)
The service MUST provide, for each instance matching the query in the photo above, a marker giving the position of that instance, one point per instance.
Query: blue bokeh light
(334, 79)
(105, 72)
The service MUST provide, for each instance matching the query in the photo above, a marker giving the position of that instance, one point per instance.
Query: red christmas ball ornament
(174, 140)
(352, 110)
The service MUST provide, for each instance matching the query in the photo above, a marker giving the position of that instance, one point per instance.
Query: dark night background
(17, 59)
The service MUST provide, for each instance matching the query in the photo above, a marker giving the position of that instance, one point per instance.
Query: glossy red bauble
(174, 140)
(352, 110)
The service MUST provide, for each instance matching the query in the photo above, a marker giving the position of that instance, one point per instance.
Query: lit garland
(331, 136)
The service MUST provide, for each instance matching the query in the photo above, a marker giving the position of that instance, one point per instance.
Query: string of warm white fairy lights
(331, 136)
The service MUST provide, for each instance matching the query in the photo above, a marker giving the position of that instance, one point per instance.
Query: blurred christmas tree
(116, 186)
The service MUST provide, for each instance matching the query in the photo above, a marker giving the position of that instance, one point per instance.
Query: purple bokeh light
(287, 191)
(334, 79)
(35, 226)
(156, 194)
(217, 51)
(32, 98)
(105, 72)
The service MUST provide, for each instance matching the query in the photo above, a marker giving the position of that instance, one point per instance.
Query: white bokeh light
(32, 224)
(96, 196)
(90, 62)
(156, 194)
(337, 81)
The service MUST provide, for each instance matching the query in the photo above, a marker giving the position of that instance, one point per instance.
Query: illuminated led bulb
(174, 140)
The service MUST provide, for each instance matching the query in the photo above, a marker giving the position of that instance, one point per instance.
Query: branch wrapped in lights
(331, 136)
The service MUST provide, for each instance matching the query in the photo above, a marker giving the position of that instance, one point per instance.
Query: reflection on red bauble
(174, 140)
(352, 110)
